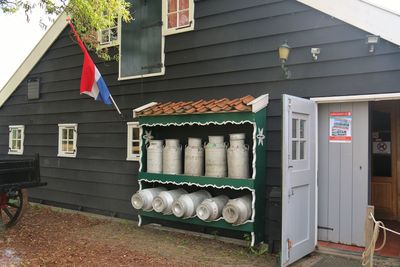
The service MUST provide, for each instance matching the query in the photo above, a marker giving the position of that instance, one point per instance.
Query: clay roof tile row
(200, 106)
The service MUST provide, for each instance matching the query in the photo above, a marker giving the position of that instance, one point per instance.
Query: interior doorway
(385, 170)
(385, 159)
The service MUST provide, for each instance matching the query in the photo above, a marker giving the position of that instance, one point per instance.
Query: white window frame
(62, 126)
(109, 43)
(132, 156)
(177, 29)
(19, 151)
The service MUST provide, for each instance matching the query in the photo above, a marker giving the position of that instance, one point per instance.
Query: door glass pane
(381, 144)
(302, 149)
(294, 150)
(294, 128)
(302, 128)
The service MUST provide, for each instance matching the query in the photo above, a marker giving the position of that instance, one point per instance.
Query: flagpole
(115, 104)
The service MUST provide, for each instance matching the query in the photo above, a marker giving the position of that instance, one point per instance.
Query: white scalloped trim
(195, 123)
(140, 147)
(196, 184)
(253, 164)
(253, 205)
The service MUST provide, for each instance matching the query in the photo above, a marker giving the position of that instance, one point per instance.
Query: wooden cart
(16, 175)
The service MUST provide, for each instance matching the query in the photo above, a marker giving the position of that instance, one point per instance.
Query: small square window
(16, 139)
(178, 16)
(133, 148)
(67, 138)
(108, 37)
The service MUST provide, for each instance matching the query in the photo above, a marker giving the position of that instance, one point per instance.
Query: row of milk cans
(214, 159)
(187, 205)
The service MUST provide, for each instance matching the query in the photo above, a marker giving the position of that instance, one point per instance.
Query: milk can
(238, 157)
(215, 157)
(185, 206)
(154, 156)
(172, 157)
(163, 202)
(211, 208)
(238, 210)
(143, 199)
(194, 157)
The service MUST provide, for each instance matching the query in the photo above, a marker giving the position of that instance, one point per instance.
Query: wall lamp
(371, 41)
(284, 51)
(315, 51)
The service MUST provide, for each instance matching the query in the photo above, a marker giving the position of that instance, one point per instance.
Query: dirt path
(45, 237)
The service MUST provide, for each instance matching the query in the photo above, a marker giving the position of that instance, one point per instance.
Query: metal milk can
(172, 157)
(163, 202)
(194, 157)
(142, 199)
(215, 157)
(154, 156)
(238, 157)
(238, 210)
(185, 206)
(211, 208)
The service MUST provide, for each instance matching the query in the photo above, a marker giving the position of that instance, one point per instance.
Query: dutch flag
(92, 84)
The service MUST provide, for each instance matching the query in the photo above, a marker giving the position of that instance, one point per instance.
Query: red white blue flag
(92, 84)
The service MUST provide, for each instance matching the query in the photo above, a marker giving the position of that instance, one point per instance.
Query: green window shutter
(141, 40)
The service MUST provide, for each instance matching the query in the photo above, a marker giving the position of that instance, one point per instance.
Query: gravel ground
(48, 237)
(55, 237)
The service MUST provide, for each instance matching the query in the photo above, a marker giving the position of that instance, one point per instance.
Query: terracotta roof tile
(199, 106)
(247, 99)
(240, 107)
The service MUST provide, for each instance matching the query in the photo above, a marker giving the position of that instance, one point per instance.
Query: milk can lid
(237, 136)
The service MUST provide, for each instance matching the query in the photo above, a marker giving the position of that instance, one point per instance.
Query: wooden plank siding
(232, 52)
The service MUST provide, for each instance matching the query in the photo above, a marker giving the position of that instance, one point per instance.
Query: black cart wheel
(11, 206)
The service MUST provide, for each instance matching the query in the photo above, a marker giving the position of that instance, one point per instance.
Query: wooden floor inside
(391, 248)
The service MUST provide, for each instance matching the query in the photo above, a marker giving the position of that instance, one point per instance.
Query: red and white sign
(340, 127)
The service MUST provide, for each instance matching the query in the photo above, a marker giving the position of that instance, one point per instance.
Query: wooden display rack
(254, 119)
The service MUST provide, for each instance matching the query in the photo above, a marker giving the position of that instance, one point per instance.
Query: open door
(299, 179)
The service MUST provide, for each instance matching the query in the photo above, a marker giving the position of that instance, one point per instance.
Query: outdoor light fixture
(315, 52)
(284, 51)
(371, 41)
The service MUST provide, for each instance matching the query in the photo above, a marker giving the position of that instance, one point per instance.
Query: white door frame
(356, 98)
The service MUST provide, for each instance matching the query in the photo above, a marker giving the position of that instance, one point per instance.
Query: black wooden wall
(231, 53)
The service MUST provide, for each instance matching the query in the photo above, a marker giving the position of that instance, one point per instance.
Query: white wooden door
(299, 178)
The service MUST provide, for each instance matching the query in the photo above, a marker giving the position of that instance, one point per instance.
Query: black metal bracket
(150, 25)
(325, 228)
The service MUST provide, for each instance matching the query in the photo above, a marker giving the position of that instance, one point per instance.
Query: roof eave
(33, 58)
(362, 15)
